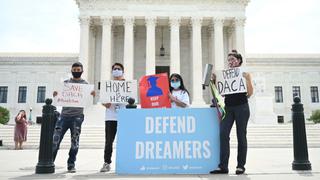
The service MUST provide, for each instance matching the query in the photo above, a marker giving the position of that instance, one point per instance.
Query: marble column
(211, 31)
(197, 62)
(218, 43)
(150, 45)
(106, 49)
(84, 45)
(230, 35)
(174, 44)
(92, 54)
(239, 31)
(128, 55)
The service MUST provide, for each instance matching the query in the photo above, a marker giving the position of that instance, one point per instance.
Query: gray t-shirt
(73, 111)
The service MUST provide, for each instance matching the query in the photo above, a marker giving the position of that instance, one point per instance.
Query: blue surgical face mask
(117, 73)
(175, 85)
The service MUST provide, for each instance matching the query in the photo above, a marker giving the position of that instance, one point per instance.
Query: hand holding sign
(106, 105)
(93, 93)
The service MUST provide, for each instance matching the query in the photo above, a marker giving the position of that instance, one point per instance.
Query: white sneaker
(105, 167)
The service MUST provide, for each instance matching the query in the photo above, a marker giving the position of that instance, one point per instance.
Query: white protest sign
(118, 91)
(74, 95)
(231, 81)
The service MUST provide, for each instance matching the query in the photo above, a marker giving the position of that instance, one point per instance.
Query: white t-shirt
(182, 96)
(112, 112)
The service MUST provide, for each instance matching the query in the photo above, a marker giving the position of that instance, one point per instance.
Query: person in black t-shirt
(237, 110)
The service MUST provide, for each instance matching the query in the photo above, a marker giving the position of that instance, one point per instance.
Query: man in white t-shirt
(111, 120)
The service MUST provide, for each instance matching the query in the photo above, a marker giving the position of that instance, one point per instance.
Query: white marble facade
(192, 32)
(32, 70)
(286, 71)
(268, 71)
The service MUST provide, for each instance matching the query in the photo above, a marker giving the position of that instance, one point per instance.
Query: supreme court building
(154, 36)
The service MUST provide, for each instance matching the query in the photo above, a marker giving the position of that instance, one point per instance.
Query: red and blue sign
(154, 90)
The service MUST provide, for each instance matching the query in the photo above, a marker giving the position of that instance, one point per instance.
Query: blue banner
(167, 141)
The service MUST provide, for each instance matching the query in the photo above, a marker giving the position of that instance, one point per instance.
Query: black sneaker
(219, 171)
(71, 169)
(240, 171)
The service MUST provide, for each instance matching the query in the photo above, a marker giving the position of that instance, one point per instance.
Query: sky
(272, 26)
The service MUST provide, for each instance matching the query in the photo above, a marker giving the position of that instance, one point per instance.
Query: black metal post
(45, 163)
(131, 104)
(300, 147)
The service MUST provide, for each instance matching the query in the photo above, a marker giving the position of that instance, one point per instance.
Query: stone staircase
(92, 136)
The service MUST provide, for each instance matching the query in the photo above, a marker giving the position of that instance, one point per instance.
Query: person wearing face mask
(237, 110)
(70, 118)
(111, 120)
(178, 95)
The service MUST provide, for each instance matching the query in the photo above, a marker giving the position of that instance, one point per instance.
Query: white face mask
(117, 73)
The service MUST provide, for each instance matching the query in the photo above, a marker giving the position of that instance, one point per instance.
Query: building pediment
(161, 2)
(162, 7)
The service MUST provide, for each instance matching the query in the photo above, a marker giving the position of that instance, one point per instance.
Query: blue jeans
(240, 114)
(62, 125)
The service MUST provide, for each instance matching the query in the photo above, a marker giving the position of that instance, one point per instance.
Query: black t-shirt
(236, 99)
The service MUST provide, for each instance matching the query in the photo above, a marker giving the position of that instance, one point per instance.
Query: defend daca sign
(118, 91)
(231, 81)
(167, 141)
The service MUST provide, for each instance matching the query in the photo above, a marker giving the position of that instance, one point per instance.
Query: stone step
(258, 136)
(250, 126)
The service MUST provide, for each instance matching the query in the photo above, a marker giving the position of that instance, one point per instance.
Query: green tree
(315, 117)
(4, 115)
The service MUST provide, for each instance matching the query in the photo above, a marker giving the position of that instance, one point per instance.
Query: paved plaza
(262, 163)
